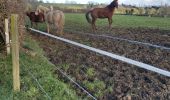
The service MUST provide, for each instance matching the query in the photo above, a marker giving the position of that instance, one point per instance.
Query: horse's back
(100, 12)
(59, 17)
(36, 18)
(55, 16)
(58, 13)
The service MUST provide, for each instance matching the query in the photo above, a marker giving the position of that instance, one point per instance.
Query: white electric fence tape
(114, 56)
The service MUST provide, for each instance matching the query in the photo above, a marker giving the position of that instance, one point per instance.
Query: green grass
(96, 86)
(42, 69)
(91, 72)
(141, 21)
(78, 22)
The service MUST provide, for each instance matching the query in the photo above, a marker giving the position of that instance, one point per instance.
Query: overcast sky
(132, 2)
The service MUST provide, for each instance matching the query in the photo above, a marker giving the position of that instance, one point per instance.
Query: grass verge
(39, 67)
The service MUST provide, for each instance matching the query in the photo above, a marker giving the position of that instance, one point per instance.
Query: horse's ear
(51, 8)
(116, 3)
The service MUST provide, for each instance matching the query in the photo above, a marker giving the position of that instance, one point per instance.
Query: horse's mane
(113, 4)
(42, 8)
(28, 7)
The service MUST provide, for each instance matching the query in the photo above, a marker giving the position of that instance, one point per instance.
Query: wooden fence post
(7, 36)
(15, 52)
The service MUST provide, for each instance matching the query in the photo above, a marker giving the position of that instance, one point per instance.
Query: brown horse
(106, 12)
(35, 18)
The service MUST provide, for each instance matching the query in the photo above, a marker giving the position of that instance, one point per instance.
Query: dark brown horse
(35, 18)
(106, 12)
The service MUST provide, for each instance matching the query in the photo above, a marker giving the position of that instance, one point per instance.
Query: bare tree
(91, 4)
(164, 11)
(70, 2)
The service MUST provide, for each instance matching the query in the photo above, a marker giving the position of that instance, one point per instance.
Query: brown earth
(125, 80)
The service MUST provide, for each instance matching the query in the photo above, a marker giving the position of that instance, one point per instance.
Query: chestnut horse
(106, 12)
(35, 18)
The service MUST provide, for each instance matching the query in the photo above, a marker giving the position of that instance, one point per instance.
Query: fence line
(39, 85)
(7, 36)
(42, 89)
(108, 54)
(76, 83)
(122, 39)
(15, 52)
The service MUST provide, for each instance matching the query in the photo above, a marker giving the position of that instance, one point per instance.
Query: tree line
(162, 11)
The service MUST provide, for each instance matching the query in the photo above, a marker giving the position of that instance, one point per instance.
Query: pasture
(106, 78)
(78, 22)
(41, 57)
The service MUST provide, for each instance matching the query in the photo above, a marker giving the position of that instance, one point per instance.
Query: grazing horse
(35, 18)
(54, 18)
(106, 12)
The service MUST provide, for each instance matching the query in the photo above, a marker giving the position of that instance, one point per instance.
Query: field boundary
(108, 54)
(94, 98)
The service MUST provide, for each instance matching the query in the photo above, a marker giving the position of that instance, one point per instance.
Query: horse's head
(37, 11)
(41, 9)
(113, 4)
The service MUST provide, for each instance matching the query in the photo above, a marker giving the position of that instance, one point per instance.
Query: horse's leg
(48, 28)
(93, 24)
(36, 26)
(31, 25)
(57, 27)
(61, 26)
(61, 30)
(110, 22)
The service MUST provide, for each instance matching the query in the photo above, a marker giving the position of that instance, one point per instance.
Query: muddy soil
(154, 36)
(125, 80)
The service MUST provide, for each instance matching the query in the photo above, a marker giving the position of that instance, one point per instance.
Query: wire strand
(39, 85)
(76, 83)
(109, 54)
(121, 39)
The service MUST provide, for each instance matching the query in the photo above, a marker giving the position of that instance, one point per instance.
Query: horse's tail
(62, 22)
(89, 20)
(59, 20)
